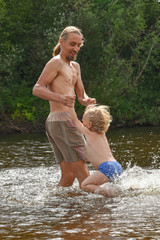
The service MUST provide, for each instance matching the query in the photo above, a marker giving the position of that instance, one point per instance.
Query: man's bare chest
(69, 74)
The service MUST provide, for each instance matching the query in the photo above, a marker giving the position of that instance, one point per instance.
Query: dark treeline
(120, 60)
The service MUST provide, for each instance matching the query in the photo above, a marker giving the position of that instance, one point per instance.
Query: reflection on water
(32, 208)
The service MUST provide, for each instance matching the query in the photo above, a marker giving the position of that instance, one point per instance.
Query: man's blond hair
(99, 116)
(64, 35)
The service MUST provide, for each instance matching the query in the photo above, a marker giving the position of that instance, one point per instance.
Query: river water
(31, 207)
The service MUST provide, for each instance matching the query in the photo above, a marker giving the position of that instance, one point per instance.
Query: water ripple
(33, 208)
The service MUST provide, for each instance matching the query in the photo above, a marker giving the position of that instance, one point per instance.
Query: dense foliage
(119, 62)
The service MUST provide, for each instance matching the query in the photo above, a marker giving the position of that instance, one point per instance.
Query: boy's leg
(93, 182)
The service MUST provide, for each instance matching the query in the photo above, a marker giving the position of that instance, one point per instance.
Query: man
(58, 82)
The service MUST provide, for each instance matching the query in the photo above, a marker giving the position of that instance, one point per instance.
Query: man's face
(71, 46)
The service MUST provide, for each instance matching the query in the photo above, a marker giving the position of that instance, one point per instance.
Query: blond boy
(96, 121)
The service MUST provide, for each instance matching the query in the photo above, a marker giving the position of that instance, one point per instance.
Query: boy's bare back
(98, 149)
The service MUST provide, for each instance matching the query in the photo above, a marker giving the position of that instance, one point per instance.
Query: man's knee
(81, 171)
(80, 167)
(68, 175)
(67, 179)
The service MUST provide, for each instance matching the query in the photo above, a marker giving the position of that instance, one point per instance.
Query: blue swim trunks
(111, 169)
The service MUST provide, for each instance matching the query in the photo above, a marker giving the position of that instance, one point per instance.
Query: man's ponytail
(56, 50)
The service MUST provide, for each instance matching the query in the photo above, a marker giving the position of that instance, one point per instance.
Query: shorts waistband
(58, 116)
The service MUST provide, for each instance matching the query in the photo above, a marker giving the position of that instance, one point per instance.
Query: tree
(119, 60)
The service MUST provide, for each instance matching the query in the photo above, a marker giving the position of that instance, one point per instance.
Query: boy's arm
(77, 122)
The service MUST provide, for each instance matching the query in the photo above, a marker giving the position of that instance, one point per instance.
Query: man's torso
(63, 83)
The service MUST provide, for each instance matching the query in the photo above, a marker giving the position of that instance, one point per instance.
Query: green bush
(119, 61)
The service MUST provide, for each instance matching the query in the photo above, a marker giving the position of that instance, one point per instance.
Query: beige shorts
(66, 141)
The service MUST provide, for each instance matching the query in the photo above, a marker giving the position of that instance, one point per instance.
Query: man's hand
(87, 101)
(68, 100)
(91, 101)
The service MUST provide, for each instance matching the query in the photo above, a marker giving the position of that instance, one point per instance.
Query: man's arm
(80, 91)
(48, 75)
(40, 89)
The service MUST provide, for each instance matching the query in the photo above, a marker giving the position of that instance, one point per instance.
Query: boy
(96, 121)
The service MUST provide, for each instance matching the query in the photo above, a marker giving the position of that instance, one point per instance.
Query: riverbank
(13, 126)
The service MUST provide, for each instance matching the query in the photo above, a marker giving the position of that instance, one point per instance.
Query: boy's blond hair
(99, 116)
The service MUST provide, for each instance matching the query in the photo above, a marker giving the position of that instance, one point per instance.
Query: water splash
(32, 208)
(28, 186)
(136, 180)
(32, 186)
(31, 193)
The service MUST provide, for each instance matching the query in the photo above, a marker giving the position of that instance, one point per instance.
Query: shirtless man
(58, 82)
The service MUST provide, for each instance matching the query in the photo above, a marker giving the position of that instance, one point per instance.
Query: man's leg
(62, 135)
(80, 170)
(67, 174)
(70, 171)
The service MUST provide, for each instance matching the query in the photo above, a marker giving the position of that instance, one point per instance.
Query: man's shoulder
(54, 62)
(75, 65)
